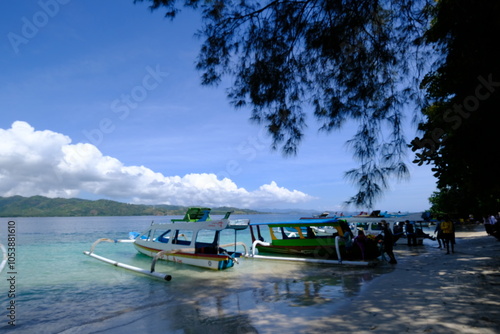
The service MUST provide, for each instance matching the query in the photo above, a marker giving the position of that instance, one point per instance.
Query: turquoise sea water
(57, 289)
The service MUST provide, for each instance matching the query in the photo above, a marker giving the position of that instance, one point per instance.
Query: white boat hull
(209, 261)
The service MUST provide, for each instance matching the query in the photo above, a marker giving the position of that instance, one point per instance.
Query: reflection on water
(59, 290)
(239, 304)
(260, 296)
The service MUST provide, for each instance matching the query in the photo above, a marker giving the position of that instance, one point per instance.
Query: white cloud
(46, 163)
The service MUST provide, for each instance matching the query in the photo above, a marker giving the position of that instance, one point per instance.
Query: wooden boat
(191, 241)
(300, 241)
(298, 237)
(326, 215)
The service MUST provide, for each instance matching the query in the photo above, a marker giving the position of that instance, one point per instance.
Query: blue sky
(101, 99)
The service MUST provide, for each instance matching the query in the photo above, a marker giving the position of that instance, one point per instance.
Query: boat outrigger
(192, 240)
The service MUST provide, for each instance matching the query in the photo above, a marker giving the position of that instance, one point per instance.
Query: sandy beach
(430, 291)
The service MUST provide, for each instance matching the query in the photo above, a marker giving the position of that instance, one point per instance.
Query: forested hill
(39, 206)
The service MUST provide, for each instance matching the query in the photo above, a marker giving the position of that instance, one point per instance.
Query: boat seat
(205, 248)
(205, 216)
(182, 242)
(163, 239)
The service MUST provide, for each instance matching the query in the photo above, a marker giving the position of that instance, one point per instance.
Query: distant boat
(378, 214)
(326, 215)
(375, 213)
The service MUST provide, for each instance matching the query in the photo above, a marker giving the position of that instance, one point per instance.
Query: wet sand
(426, 292)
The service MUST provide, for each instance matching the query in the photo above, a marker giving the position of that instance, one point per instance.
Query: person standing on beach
(398, 232)
(439, 235)
(448, 235)
(360, 240)
(494, 226)
(388, 242)
(493, 222)
(410, 234)
(488, 226)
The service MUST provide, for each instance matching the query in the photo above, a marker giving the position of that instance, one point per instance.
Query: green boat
(299, 237)
(305, 240)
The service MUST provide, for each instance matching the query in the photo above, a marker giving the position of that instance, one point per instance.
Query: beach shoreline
(426, 292)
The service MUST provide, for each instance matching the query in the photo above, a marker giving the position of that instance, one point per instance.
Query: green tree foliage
(462, 116)
(340, 60)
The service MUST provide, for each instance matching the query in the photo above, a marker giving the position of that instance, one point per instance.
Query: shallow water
(57, 289)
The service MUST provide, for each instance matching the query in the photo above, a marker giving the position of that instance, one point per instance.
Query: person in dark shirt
(388, 242)
(398, 232)
(410, 234)
(360, 240)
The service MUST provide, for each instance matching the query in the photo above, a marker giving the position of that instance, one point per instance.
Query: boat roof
(307, 222)
(218, 224)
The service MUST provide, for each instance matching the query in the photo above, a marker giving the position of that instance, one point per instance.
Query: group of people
(405, 228)
(386, 239)
(445, 236)
(444, 232)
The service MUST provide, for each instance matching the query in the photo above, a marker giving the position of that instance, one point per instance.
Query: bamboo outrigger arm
(337, 248)
(162, 253)
(123, 265)
(107, 240)
(258, 242)
(236, 244)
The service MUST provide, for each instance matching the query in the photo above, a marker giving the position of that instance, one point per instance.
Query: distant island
(40, 206)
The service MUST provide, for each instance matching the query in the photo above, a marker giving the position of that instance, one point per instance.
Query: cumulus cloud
(46, 163)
